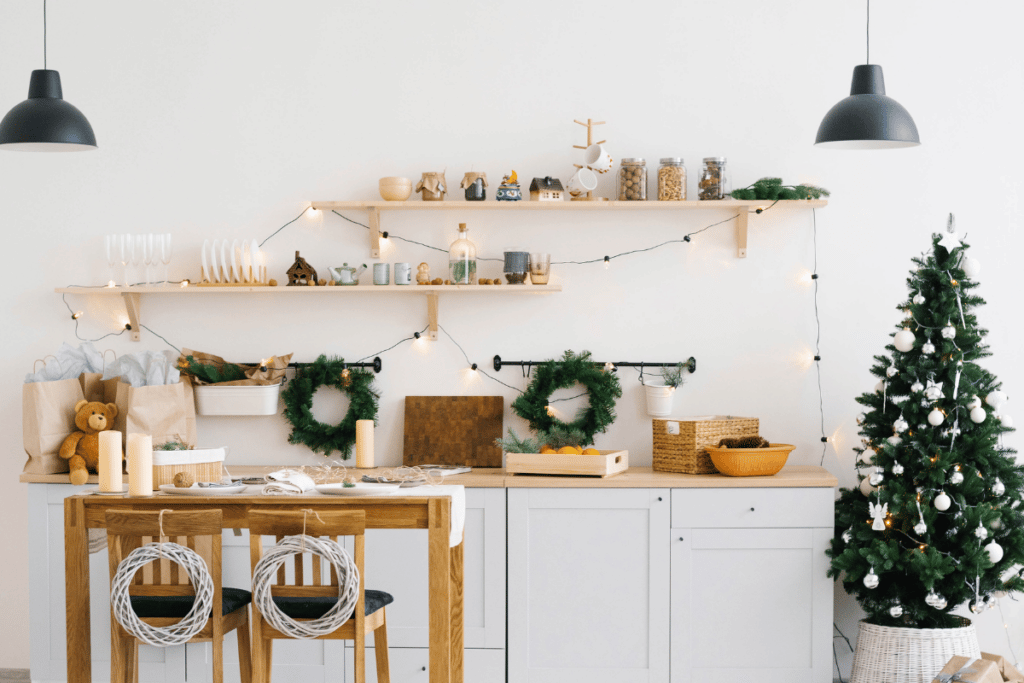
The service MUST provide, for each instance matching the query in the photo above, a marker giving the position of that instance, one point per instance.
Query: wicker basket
(750, 462)
(887, 654)
(681, 445)
(204, 464)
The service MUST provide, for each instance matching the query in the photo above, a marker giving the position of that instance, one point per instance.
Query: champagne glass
(125, 252)
(139, 246)
(111, 244)
(148, 257)
(165, 254)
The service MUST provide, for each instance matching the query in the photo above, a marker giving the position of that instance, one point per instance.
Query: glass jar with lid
(633, 180)
(672, 180)
(462, 259)
(714, 183)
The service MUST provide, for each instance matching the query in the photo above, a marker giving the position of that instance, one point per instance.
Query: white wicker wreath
(348, 586)
(198, 576)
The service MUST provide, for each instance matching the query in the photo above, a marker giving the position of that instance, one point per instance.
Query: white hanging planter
(659, 398)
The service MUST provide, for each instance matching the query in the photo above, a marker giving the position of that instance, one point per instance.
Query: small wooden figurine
(546, 189)
(509, 190)
(433, 186)
(301, 273)
(423, 274)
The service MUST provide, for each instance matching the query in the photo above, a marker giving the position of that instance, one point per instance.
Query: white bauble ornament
(895, 440)
(978, 607)
(865, 487)
(871, 579)
(920, 528)
(928, 347)
(971, 267)
(935, 418)
(995, 551)
(998, 488)
(917, 387)
(935, 600)
(900, 426)
(998, 595)
(995, 399)
(891, 371)
(948, 332)
(880, 387)
(975, 403)
(1006, 421)
(981, 532)
(933, 392)
(847, 536)
(896, 612)
(904, 340)
(957, 477)
(861, 418)
(918, 299)
(942, 502)
(867, 456)
(876, 478)
(897, 468)
(978, 415)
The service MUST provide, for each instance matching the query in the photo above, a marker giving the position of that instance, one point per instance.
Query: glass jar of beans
(672, 180)
(633, 180)
(714, 183)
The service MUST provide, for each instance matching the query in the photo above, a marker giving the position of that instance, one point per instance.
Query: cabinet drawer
(412, 665)
(738, 508)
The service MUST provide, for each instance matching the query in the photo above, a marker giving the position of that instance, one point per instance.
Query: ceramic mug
(403, 274)
(582, 182)
(517, 266)
(597, 158)
(381, 274)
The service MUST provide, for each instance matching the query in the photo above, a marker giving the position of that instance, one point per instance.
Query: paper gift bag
(166, 412)
(969, 669)
(47, 418)
(1008, 671)
(97, 389)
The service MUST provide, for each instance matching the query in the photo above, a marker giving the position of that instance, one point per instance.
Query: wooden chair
(161, 593)
(303, 602)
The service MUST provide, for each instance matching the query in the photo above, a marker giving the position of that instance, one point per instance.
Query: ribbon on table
(959, 675)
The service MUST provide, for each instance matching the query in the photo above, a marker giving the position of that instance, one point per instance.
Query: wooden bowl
(750, 462)
(395, 189)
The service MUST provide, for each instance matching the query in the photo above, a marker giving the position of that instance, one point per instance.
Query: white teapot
(346, 274)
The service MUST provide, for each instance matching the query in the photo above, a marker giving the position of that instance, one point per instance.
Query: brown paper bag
(1008, 671)
(47, 418)
(969, 669)
(165, 412)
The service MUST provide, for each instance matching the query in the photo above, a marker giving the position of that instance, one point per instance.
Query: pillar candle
(140, 465)
(109, 467)
(364, 444)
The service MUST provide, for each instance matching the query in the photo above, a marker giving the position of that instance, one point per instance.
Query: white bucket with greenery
(660, 392)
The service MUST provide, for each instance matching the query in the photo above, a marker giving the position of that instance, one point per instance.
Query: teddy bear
(82, 448)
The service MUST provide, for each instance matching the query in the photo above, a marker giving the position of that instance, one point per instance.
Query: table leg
(438, 528)
(456, 555)
(76, 588)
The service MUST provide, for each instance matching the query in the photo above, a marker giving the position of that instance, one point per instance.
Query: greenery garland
(603, 388)
(772, 189)
(298, 404)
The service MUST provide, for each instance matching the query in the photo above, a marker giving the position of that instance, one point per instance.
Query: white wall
(225, 119)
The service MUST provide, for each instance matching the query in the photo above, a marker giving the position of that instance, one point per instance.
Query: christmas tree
(937, 521)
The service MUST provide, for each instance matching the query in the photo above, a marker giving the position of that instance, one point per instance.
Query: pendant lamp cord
(44, 34)
(868, 30)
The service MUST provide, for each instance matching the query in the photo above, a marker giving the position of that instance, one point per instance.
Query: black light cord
(416, 335)
(164, 340)
(74, 317)
(283, 227)
(817, 339)
(472, 364)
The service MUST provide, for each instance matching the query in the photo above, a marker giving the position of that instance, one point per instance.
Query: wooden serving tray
(606, 464)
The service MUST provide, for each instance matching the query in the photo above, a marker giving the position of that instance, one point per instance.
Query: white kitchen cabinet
(588, 585)
(751, 602)
(412, 665)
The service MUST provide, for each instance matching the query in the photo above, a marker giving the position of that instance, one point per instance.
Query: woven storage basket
(685, 452)
(204, 464)
(750, 462)
(887, 654)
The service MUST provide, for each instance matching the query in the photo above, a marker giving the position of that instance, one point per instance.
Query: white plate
(360, 489)
(97, 492)
(196, 490)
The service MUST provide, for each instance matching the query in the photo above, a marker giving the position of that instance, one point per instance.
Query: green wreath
(298, 404)
(603, 388)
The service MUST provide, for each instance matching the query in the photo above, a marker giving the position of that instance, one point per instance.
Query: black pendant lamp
(867, 119)
(45, 122)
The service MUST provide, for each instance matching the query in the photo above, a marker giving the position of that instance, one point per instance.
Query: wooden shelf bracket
(374, 215)
(432, 301)
(741, 232)
(132, 304)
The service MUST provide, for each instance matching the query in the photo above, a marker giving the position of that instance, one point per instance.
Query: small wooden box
(604, 465)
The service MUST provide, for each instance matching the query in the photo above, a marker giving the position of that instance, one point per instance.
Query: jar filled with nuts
(633, 180)
(672, 180)
(714, 184)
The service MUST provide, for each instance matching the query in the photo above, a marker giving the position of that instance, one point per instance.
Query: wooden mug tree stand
(589, 125)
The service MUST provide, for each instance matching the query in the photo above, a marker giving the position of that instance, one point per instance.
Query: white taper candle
(140, 465)
(364, 444)
(109, 468)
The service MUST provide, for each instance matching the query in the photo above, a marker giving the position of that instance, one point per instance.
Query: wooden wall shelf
(744, 207)
(132, 296)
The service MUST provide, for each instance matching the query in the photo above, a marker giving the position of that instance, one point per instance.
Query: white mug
(583, 181)
(403, 274)
(597, 158)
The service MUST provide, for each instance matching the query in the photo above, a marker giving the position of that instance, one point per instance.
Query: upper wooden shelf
(495, 205)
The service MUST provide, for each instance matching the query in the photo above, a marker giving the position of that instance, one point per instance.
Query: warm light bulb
(311, 212)
(607, 262)
(609, 367)
(185, 283)
(76, 315)
(473, 367)
(111, 284)
(384, 237)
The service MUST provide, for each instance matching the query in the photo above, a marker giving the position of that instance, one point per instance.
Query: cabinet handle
(681, 538)
(659, 499)
(751, 509)
(423, 669)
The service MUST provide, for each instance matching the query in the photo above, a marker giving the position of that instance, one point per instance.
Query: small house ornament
(433, 186)
(301, 273)
(475, 185)
(546, 189)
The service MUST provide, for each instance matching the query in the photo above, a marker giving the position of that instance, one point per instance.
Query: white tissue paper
(145, 368)
(288, 482)
(68, 363)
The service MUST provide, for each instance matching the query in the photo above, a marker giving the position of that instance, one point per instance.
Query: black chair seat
(178, 606)
(316, 607)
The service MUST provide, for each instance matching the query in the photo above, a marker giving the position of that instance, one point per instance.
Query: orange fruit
(591, 451)
(579, 450)
(546, 450)
(567, 450)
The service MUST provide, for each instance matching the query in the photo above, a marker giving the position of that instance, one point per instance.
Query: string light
(111, 284)
(607, 262)
(311, 212)
(76, 315)
(473, 367)
(384, 236)
(185, 283)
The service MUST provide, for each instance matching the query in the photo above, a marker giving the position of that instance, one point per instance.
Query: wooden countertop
(791, 476)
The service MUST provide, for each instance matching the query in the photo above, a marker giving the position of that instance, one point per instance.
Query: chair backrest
(199, 530)
(323, 523)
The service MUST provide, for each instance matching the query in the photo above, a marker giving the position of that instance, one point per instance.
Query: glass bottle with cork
(462, 259)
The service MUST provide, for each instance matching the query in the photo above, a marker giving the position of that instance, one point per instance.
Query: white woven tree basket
(886, 654)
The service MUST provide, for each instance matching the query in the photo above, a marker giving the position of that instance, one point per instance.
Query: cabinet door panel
(412, 665)
(588, 585)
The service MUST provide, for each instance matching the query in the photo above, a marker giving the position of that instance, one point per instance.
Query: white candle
(364, 444)
(140, 465)
(109, 467)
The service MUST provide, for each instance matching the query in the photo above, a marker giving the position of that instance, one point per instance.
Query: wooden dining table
(433, 513)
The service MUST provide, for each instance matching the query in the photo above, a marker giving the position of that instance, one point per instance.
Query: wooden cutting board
(453, 430)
